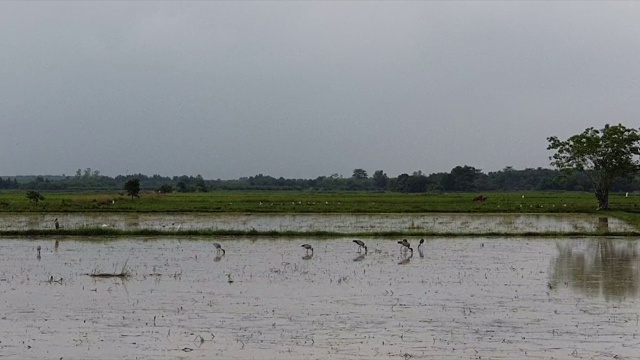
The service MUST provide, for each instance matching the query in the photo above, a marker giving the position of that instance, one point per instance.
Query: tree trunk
(602, 195)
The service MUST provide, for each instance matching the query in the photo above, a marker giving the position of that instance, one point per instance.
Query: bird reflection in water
(406, 260)
(360, 257)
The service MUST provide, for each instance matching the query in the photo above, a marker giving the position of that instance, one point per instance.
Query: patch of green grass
(314, 202)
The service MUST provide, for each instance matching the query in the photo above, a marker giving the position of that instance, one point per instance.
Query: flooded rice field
(461, 298)
(342, 223)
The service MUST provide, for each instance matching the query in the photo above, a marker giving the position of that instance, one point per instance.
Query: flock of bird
(361, 245)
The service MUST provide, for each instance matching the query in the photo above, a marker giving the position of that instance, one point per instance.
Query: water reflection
(603, 224)
(345, 223)
(597, 268)
(359, 257)
(406, 260)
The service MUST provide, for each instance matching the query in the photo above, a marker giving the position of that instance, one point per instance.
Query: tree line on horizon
(459, 179)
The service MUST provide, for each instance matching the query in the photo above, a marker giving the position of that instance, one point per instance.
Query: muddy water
(345, 223)
(461, 298)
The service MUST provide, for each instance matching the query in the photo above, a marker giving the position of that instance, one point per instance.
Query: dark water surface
(468, 298)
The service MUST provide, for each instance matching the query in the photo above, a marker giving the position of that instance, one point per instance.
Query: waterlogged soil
(341, 223)
(462, 298)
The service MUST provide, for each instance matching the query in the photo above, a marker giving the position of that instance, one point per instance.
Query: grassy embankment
(625, 208)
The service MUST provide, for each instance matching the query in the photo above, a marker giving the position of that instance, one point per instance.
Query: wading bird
(56, 224)
(420, 245)
(308, 247)
(406, 244)
(361, 245)
(38, 248)
(219, 249)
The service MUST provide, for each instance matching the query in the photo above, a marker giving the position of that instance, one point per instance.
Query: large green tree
(603, 155)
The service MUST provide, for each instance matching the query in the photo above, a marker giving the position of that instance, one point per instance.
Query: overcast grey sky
(303, 89)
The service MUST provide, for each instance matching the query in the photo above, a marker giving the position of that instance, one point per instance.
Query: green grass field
(316, 202)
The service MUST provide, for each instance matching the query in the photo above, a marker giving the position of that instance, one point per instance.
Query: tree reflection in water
(597, 268)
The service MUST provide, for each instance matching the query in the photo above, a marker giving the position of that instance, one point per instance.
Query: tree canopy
(603, 155)
(132, 187)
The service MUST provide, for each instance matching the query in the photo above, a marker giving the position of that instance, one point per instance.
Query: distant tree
(603, 155)
(34, 196)
(200, 185)
(181, 186)
(380, 180)
(359, 174)
(461, 178)
(132, 187)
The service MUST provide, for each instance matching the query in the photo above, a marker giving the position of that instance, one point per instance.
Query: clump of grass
(123, 274)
